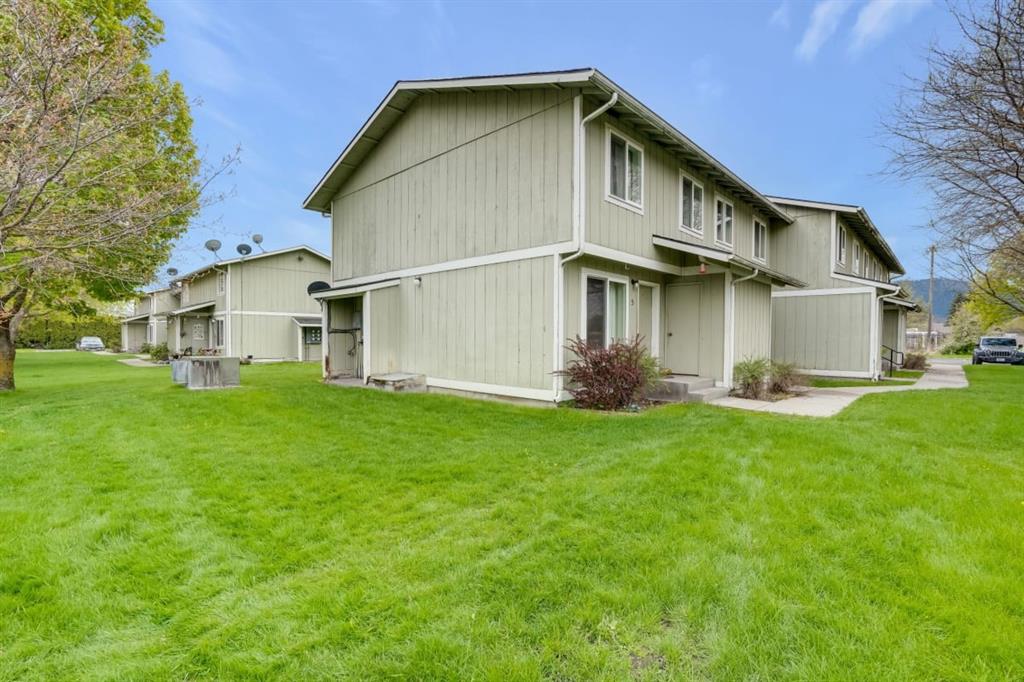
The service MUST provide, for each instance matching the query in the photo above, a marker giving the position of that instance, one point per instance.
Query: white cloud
(879, 17)
(824, 22)
(780, 17)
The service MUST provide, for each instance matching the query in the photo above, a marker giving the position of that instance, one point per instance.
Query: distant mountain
(946, 290)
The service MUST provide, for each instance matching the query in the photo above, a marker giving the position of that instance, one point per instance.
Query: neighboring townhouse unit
(479, 223)
(851, 318)
(148, 320)
(255, 306)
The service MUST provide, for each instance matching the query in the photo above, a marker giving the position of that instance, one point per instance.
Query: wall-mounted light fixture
(417, 280)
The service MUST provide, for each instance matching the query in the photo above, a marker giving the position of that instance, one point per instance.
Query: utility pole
(931, 295)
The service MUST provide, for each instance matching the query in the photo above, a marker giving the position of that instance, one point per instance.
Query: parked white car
(90, 343)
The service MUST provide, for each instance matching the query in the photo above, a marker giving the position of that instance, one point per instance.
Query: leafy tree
(961, 129)
(98, 170)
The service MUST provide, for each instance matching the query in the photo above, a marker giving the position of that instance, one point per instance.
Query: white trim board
(591, 249)
(349, 292)
(838, 291)
(541, 394)
(269, 313)
(459, 264)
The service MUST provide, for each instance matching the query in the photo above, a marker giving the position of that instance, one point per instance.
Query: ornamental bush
(611, 378)
(750, 378)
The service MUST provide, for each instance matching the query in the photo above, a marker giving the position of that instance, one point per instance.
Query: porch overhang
(343, 291)
(136, 319)
(196, 307)
(903, 303)
(308, 321)
(727, 258)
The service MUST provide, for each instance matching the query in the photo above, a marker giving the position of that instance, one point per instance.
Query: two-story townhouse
(851, 318)
(254, 306)
(479, 223)
(148, 320)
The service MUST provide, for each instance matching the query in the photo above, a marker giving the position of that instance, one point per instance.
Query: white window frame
(216, 335)
(697, 231)
(630, 142)
(732, 227)
(841, 243)
(222, 281)
(856, 258)
(587, 273)
(755, 221)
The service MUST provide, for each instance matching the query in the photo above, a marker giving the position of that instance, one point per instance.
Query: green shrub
(145, 348)
(158, 352)
(959, 347)
(62, 330)
(783, 377)
(916, 361)
(750, 378)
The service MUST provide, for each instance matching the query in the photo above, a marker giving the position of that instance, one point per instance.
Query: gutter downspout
(578, 229)
(731, 350)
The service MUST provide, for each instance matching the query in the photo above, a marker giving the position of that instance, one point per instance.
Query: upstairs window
(841, 245)
(723, 222)
(760, 240)
(856, 259)
(222, 278)
(691, 205)
(625, 172)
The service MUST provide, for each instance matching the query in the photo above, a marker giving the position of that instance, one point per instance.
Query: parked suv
(90, 343)
(1001, 349)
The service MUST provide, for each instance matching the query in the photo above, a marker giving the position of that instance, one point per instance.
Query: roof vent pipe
(581, 184)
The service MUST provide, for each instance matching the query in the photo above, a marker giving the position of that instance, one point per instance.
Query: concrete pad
(828, 402)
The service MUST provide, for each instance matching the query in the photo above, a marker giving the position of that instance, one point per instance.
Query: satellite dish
(213, 245)
(171, 272)
(257, 239)
(244, 249)
(316, 286)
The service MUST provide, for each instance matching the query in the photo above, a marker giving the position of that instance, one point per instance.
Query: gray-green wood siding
(459, 175)
(753, 327)
(490, 324)
(829, 332)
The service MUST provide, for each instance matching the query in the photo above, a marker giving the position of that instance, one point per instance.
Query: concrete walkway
(827, 402)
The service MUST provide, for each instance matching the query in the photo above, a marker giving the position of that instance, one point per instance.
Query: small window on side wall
(723, 222)
(221, 283)
(605, 302)
(841, 245)
(691, 205)
(760, 240)
(625, 171)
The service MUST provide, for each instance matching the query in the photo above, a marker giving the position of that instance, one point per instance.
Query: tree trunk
(6, 360)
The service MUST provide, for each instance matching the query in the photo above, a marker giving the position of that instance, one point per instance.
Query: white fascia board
(823, 205)
(352, 291)
(511, 80)
(839, 291)
(460, 264)
(695, 249)
(599, 251)
(866, 282)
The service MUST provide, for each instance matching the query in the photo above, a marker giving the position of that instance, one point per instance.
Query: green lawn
(294, 531)
(908, 373)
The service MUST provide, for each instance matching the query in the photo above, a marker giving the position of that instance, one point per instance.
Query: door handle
(669, 334)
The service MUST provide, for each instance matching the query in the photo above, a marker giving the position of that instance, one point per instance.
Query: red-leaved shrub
(609, 378)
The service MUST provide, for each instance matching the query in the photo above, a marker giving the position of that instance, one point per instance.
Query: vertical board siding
(753, 328)
(616, 227)
(204, 288)
(823, 332)
(490, 324)
(264, 336)
(459, 175)
(277, 283)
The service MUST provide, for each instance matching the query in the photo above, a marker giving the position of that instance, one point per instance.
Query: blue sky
(789, 95)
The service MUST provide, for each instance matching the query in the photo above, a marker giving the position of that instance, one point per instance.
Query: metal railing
(893, 355)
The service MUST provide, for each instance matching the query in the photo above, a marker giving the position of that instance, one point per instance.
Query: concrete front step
(682, 389)
(399, 382)
(705, 395)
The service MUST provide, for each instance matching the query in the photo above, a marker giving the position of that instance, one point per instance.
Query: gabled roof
(591, 81)
(249, 259)
(858, 219)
